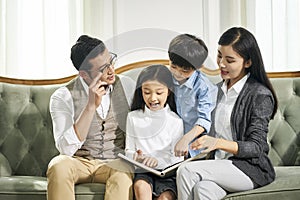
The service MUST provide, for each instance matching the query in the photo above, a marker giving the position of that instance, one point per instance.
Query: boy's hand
(182, 147)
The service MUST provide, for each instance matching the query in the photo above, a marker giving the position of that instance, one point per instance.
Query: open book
(164, 172)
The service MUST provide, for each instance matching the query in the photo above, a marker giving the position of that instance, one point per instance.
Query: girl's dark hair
(85, 49)
(187, 51)
(158, 73)
(244, 43)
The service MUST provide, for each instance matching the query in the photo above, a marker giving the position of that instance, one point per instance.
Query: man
(89, 117)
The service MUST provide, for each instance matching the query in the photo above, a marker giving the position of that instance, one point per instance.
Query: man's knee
(125, 177)
(59, 166)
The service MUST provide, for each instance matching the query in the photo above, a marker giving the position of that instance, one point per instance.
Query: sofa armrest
(5, 169)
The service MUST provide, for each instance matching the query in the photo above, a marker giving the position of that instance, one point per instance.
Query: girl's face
(155, 94)
(232, 65)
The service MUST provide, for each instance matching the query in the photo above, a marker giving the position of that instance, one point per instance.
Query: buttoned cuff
(204, 123)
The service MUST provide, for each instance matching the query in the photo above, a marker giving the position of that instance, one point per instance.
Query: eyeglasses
(106, 66)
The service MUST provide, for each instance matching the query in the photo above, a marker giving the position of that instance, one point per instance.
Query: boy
(195, 95)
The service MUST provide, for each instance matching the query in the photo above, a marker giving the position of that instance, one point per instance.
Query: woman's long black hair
(158, 73)
(245, 44)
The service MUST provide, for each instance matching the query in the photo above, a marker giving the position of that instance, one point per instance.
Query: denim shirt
(195, 100)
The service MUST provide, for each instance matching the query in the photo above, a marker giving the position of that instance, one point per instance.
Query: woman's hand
(205, 142)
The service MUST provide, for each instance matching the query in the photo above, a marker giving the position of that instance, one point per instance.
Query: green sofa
(27, 145)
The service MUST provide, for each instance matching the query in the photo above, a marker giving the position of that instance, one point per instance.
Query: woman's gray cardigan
(249, 125)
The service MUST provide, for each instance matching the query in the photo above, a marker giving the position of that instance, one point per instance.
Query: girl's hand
(205, 142)
(146, 160)
(138, 156)
(150, 162)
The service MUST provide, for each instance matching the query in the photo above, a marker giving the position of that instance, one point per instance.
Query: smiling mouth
(154, 105)
(178, 77)
(110, 77)
(224, 72)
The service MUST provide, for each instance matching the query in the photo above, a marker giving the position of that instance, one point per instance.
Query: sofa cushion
(34, 187)
(285, 186)
(5, 169)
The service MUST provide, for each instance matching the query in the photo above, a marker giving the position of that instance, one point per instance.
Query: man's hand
(96, 91)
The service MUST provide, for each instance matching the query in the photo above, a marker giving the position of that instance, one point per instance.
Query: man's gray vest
(106, 137)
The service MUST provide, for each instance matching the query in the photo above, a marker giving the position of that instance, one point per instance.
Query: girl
(153, 128)
(238, 138)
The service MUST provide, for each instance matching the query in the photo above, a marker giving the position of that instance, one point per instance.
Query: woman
(237, 141)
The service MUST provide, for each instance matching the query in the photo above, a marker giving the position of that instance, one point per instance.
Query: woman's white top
(223, 113)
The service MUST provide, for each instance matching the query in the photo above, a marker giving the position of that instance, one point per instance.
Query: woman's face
(232, 65)
(155, 94)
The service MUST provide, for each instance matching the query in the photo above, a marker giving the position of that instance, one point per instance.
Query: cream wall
(36, 35)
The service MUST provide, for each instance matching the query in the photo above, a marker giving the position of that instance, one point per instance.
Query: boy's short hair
(187, 51)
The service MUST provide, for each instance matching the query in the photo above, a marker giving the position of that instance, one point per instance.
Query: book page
(140, 165)
(165, 171)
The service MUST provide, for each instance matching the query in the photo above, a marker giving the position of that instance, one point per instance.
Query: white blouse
(223, 113)
(155, 133)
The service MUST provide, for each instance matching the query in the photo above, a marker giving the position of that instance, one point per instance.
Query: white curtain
(36, 35)
(277, 27)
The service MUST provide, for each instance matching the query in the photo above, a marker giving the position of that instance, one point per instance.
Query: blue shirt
(195, 100)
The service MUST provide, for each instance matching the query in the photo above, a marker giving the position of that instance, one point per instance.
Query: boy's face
(180, 74)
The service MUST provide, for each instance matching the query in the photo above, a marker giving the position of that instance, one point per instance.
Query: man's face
(103, 63)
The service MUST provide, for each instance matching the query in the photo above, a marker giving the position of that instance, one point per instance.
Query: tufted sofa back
(26, 139)
(27, 144)
(284, 130)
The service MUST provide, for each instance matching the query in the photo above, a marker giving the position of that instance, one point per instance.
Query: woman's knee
(182, 172)
(208, 190)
